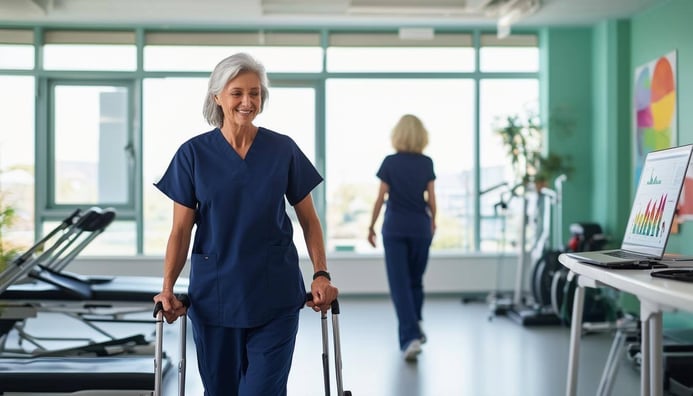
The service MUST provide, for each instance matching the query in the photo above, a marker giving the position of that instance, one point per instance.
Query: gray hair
(225, 71)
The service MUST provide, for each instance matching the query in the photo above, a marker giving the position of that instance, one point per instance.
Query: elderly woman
(246, 287)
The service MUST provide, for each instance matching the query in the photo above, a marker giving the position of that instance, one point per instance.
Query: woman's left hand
(323, 294)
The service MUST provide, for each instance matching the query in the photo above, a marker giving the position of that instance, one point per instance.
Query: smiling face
(240, 100)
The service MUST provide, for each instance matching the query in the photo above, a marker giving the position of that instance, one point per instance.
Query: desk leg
(644, 353)
(644, 356)
(575, 336)
(656, 381)
(651, 382)
(652, 349)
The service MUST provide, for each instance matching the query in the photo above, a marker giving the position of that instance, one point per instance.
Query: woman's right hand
(371, 236)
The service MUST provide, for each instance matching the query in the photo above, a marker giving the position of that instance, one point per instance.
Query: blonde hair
(409, 135)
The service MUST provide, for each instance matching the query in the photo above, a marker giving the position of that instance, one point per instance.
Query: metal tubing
(575, 335)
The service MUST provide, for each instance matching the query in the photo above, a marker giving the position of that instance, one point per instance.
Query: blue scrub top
(406, 213)
(244, 265)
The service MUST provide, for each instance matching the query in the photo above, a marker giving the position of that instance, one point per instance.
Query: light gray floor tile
(469, 353)
(466, 355)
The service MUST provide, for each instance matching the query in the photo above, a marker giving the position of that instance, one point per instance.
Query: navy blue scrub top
(244, 265)
(406, 213)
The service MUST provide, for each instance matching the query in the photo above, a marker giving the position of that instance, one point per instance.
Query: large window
(360, 116)
(17, 158)
(93, 157)
(17, 129)
(396, 53)
(16, 49)
(112, 107)
(518, 53)
(164, 50)
(500, 205)
(85, 50)
(16, 56)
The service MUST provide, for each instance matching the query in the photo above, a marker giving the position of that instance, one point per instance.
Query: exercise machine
(497, 299)
(537, 215)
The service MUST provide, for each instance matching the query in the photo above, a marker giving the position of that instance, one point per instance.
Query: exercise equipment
(584, 237)
(497, 301)
(538, 311)
(35, 283)
(548, 264)
(536, 205)
(499, 218)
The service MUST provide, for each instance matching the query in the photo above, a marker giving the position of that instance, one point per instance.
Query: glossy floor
(469, 353)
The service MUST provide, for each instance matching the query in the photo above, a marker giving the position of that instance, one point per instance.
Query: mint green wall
(567, 99)
(654, 33)
(611, 128)
(588, 81)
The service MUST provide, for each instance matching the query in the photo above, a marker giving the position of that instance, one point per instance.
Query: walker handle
(334, 307)
(181, 297)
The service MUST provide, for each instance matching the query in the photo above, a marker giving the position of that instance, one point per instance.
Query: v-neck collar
(230, 148)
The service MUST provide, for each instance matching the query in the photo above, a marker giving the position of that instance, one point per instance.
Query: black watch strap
(322, 273)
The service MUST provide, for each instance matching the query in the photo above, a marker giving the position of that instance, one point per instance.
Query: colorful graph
(653, 179)
(649, 221)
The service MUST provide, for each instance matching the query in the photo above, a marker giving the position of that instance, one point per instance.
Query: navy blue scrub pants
(405, 260)
(246, 362)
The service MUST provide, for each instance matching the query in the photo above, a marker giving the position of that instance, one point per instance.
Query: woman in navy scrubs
(407, 177)
(246, 287)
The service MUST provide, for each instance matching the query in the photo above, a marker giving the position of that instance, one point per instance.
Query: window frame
(47, 209)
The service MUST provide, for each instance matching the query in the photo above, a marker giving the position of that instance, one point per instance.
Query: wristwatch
(322, 273)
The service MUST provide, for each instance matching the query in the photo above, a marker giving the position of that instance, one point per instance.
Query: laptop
(651, 214)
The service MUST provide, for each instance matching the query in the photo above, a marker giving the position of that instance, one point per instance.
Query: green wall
(611, 192)
(654, 33)
(587, 82)
(567, 104)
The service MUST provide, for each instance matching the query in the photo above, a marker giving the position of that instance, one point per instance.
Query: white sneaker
(412, 351)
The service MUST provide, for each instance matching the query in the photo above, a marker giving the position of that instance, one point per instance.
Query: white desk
(655, 294)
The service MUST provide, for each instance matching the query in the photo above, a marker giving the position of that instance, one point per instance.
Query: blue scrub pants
(246, 362)
(405, 260)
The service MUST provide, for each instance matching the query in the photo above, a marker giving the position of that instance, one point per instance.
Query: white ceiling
(315, 12)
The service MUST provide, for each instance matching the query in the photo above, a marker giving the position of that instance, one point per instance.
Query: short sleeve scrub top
(407, 175)
(244, 264)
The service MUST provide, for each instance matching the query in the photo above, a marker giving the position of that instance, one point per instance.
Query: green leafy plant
(551, 166)
(7, 250)
(522, 138)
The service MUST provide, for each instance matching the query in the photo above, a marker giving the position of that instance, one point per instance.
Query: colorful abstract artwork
(655, 124)
(655, 106)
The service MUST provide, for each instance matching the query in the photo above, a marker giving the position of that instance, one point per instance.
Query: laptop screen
(656, 197)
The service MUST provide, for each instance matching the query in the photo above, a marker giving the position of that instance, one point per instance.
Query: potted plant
(522, 138)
